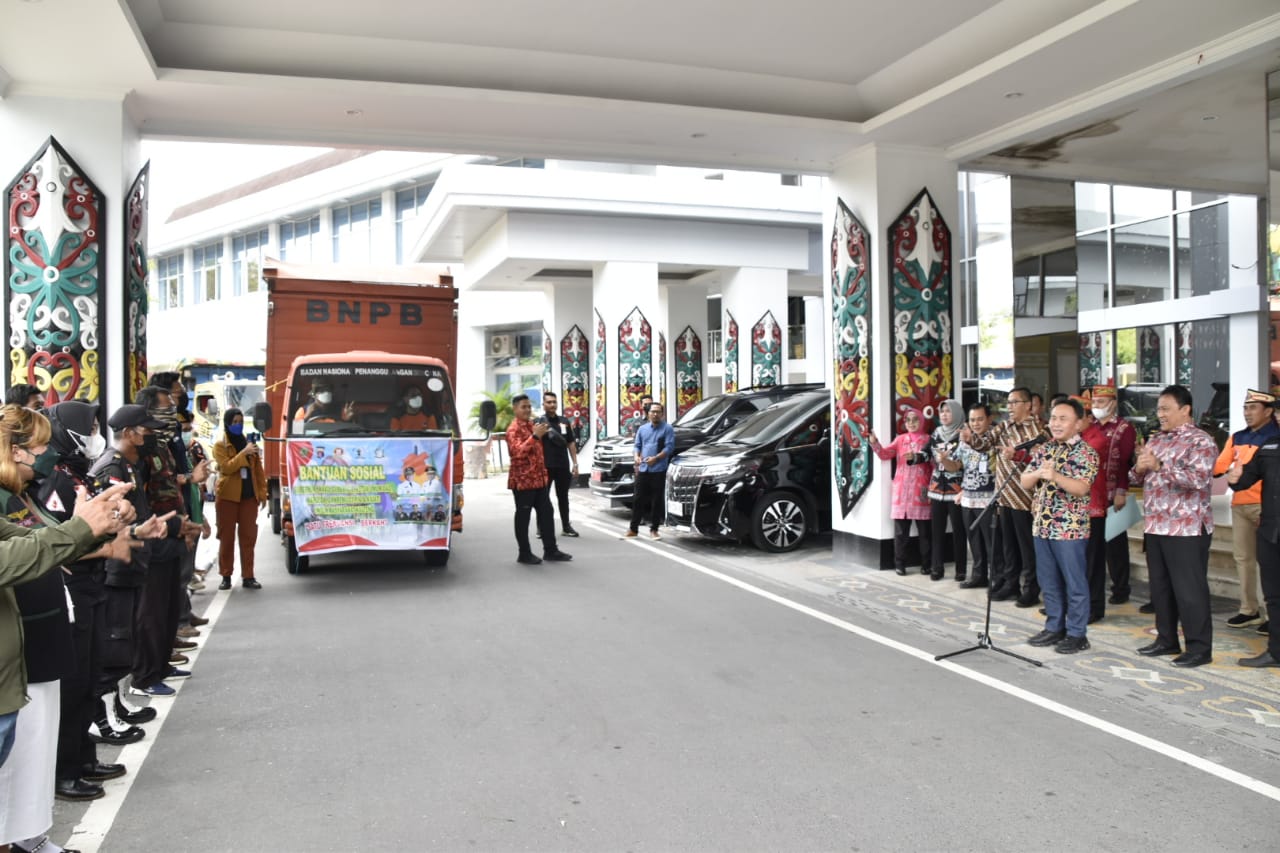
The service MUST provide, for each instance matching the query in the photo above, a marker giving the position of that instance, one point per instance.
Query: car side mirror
(262, 417)
(488, 415)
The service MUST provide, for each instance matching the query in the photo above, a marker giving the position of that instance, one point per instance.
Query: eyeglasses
(1017, 402)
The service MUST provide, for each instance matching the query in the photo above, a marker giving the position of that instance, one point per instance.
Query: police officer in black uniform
(560, 451)
(1265, 467)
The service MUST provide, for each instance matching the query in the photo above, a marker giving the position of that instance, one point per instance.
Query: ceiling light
(698, 135)
(1012, 95)
(1209, 117)
(355, 113)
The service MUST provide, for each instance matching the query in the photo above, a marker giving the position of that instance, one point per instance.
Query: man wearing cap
(1246, 503)
(1263, 469)
(1113, 438)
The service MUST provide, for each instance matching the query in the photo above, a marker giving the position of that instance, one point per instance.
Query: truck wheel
(435, 559)
(778, 523)
(274, 510)
(294, 562)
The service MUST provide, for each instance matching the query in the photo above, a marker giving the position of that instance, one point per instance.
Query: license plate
(675, 508)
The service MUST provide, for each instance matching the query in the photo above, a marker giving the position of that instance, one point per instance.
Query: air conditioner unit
(501, 345)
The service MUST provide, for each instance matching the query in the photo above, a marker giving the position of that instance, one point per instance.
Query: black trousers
(1019, 552)
(649, 500)
(1178, 572)
(1102, 556)
(561, 479)
(530, 501)
(79, 688)
(942, 511)
(115, 640)
(1269, 574)
(981, 540)
(902, 536)
(157, 622)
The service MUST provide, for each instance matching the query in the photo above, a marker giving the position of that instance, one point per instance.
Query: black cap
(132, 415)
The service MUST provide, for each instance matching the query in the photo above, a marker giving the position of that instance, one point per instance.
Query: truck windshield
(371, 398)
(244, 397)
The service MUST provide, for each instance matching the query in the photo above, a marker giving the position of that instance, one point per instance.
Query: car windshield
(352, 399)
(770, 425)
(704, 414)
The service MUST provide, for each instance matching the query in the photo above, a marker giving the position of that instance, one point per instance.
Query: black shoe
(225, 583)
(1264, 629)
(1095, 617)
(77, 789)
(900, 571)
(98, 772)
(528, 560)
(1004, 594)
(1047, 638)
(144, 714)
(959, 578)
(1264, 659)
(1190, 659)
(1028, 600)
(1147, 608)
(1044, 612)
(936, 577)
(1156, 649)
(974, 583)
(1118, 598)
(1244, 620)
(1071, 645)
(570, 532)
(924, 571)
(557, 557)
(251, 583)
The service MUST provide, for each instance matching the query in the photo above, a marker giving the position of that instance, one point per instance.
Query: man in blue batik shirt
(655, 444)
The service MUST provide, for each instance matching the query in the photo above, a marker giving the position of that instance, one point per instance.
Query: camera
(254, 437)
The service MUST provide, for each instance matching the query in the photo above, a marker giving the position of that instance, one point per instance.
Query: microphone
(1035, 442)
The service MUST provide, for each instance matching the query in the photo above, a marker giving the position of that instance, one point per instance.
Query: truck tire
(779, 522)
(274, 510)
(436, 559)
(294, 562)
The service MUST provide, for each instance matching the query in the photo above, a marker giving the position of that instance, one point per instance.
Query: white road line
(98, 819)
(1234, 777)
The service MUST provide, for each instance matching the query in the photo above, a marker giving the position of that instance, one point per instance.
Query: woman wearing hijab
(910, 489)
(241, 493)
(945, 488)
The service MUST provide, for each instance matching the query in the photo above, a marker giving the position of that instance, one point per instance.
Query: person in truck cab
(322, 408)
(411, 416)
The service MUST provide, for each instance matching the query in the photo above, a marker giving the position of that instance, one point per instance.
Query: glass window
(409, 204)
(246, 253)
(206, 263)
(169, 281)
(1143, 267)
(1093, 262)
(1026, 288)
(297, 238)
(354, 231)
(1138, 203)
(1202, 256)
(1093, 206)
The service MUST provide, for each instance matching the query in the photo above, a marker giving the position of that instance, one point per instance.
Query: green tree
(502, 400)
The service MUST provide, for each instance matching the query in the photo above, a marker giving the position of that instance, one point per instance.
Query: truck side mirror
(262, 417)
(488, 415)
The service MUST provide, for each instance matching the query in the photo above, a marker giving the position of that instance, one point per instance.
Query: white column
(877, 183)
(748, 294)
(227, 269)
(103, 140)
(1249, 365)
(617, 288)
(686, 306)
(817, 340)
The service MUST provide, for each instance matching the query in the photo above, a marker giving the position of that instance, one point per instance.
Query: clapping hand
(1233, 473)
(1047, 470)
(1147, 460)
(106, 512)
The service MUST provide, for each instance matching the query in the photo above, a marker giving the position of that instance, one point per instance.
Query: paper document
(1118, 521)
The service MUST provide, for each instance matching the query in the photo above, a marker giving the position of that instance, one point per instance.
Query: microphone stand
(984, 636)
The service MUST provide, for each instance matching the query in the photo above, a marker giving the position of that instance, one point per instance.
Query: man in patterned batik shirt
(1113, 438)
(1174, 469)
(1062, 473)
(527, 480)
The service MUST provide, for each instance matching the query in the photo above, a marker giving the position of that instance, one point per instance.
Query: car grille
(682, 485)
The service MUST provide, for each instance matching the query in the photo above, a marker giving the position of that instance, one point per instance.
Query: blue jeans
(1064, 583)
(8, 722)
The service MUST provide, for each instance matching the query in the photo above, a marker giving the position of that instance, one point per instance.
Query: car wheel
(294, 562)
(779, 523)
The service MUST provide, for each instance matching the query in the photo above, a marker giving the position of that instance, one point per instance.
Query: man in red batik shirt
(527, 480)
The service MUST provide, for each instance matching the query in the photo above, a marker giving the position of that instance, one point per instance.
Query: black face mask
(148, 443)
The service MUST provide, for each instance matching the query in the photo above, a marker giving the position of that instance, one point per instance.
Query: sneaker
(157, 689)
(1047, 638)
(175, 673)
(653, 534)
(1071, 645)
(1244, 620)
(557, 557)
(1264, 629)
(195, 586)
(570, 532)
(630, 534)
(528, 559)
